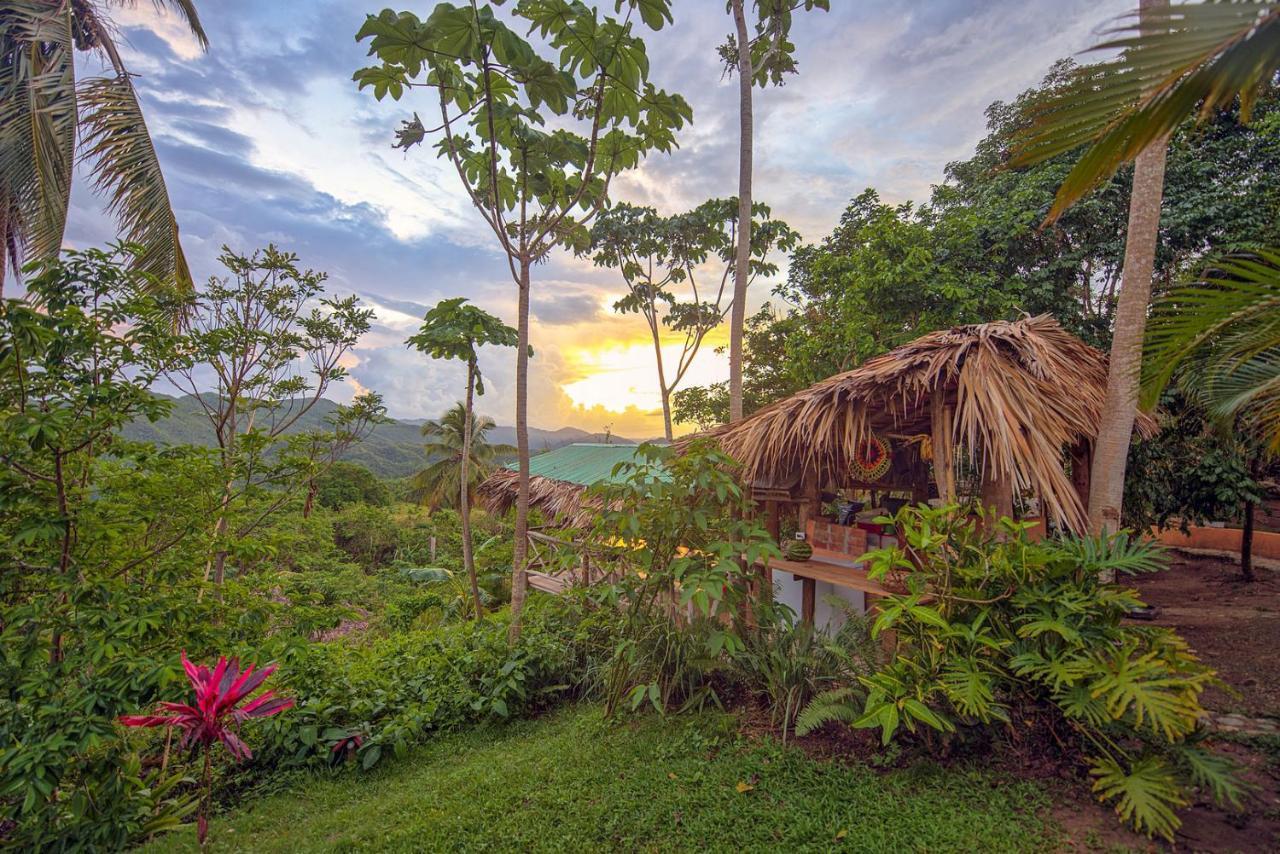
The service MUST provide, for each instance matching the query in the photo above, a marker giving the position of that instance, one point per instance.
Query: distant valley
(391, 450)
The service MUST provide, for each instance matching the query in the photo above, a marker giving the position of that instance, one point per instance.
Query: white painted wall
(788, 589)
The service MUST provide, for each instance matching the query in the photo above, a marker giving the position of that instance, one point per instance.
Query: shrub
(997, 629)
(786, 662)
(396, 691)
(679, 537)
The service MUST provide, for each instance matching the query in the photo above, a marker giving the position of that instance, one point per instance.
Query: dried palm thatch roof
(561, 500)
(1020, 393)
(558, 480)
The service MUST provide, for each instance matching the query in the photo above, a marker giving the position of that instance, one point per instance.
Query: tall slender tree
(535, 189)
(659, 256)
(1172, 63)
(455, 330)
(1115, 431)
(45, 108)
(758, 59)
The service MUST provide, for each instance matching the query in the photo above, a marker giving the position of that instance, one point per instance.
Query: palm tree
(440, 483)
(45, 109)
(1223, 333)
(1174, 62)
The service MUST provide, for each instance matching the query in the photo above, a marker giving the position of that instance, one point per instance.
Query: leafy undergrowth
(572, 781)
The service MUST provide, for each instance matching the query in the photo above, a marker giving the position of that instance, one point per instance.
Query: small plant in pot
(799, 550)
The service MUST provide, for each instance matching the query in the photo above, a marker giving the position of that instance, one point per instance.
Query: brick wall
(839, 539)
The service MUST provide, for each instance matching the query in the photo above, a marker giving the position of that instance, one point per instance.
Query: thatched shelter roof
(560, 500)
(558, 481)
(1018, 392)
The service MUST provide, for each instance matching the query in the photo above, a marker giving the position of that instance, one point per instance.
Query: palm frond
(184, 9)
(1114, 553)
(1219, 774)
(1223, 333)
(37, 126)
(127, 170)
(1174, 62)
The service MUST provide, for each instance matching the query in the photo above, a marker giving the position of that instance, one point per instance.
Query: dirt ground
(1234, 627)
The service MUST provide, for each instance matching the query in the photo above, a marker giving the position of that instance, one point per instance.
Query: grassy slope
(571, 782)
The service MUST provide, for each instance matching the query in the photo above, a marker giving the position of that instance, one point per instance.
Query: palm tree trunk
(464, 499)
(1111, 451)
(519, 573)
(742, 255)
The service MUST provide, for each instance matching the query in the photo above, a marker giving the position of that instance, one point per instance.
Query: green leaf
(1146, 795)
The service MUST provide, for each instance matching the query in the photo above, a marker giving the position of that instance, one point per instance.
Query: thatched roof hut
(1014, 398)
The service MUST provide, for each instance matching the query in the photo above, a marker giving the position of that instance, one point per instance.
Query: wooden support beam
(943, 448)
(808, 599)
(997, 489)
(1081, 465)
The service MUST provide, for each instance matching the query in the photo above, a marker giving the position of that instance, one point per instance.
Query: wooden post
(809, 507)
(997, 489)
(920, 482)
(772, 524)
(1081, 463)
(943, 449)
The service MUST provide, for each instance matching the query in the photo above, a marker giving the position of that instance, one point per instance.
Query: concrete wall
(787, 588)
(1265, 544)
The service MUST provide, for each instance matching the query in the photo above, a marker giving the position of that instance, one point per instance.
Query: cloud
(265, 138)
(560, 308)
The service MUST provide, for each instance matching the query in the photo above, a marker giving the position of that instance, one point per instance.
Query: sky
(265, 139)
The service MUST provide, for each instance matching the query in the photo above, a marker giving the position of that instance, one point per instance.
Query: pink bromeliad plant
(216, 716)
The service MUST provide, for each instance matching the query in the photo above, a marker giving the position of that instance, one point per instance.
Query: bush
(368, 536)
(786, 662)
(996, 629)
(347, 483)
(678, 535)
(378, 699)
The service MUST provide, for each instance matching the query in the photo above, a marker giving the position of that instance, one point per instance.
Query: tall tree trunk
(742, 257)
(464, 497)
(1246, 542)
(662, 386)
(1111, 451)
(520, 572)
(309, 504)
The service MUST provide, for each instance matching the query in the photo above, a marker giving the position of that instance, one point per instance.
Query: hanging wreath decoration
(871, 459)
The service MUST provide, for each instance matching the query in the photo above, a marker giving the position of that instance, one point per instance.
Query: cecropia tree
(495, 92)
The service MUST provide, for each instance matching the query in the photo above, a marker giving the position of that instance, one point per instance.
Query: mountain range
(393, 449)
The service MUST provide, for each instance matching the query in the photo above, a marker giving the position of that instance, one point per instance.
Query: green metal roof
(581, 463)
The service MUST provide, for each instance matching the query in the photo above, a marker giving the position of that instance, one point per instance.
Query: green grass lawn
(572, 782)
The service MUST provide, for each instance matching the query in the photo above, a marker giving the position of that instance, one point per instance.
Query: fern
(839, 704)
(1146, 796)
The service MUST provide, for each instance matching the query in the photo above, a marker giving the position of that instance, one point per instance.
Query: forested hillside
(393, 449)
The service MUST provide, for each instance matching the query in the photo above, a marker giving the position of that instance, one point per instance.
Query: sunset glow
(621, 374)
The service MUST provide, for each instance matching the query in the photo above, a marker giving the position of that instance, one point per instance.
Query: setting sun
(620, 374)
